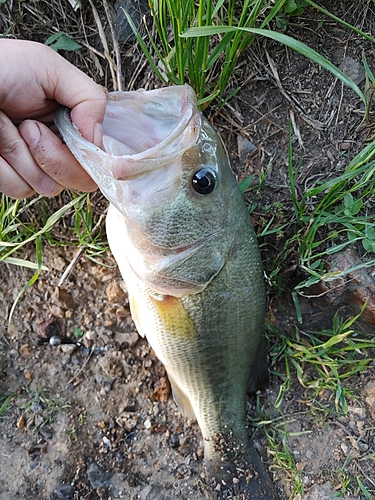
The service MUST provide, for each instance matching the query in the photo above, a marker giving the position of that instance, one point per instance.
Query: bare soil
(95, 419)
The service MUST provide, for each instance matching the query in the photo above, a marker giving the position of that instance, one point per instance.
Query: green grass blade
(285, 40)
(144, 47)
(337, 19)
(24, 263)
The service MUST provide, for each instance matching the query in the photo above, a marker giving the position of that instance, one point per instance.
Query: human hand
(34, 82)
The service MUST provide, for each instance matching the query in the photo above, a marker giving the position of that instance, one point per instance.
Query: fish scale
(189, 257)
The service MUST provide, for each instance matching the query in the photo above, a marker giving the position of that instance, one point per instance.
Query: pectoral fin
(174, 317)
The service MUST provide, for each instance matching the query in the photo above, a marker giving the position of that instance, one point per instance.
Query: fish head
(163, 168)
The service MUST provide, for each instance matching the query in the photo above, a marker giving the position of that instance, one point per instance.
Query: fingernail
(31, 133)
(98, 134)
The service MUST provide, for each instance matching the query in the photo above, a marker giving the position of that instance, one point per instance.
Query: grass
(324, 360)
(41, 403)
(5, 403)
(341, 216)
(20, 229)
(208, 39)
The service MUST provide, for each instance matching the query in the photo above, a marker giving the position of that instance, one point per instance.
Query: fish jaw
(158, 267)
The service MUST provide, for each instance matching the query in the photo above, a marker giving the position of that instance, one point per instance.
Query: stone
(63, 299)
(115, 293)
(353, 69)
(245, 148)
(136, 9)
(64, 492)
(324, 492)
(98, 477)
(369, 395)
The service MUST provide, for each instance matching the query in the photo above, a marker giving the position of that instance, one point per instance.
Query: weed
(78, 332)
(324, 360)
(40, 403)
(71, 435)
(5, 402)
(19, 229)
(276, 432)
(206, 62)
(60, 41)
(285, 40)
(341, 216)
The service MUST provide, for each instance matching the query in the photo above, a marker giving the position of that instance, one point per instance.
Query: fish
(184, 242)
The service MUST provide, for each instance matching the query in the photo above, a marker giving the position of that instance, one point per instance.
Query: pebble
(63, 299)
(353, 69)
(98, 477)
(147, 424)
(28, 374)
(128, 338)
(369, 395)
(115, 293)
(106, 441)
(25, 350)
(68, 348)
(64, 492)
(21, 422)
(345, 449)
(324, 492)
(362, 446)
(46, 432)
(245, 148)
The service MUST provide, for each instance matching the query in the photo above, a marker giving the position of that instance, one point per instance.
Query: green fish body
(185, 245)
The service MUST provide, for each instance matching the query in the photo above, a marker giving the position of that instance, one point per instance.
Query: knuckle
(10, 144)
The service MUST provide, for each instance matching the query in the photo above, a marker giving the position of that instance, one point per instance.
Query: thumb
(88, 116)
(74, 89)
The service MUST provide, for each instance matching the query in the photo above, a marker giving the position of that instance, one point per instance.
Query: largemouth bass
(185, 245)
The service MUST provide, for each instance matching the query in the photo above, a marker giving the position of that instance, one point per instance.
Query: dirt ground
(95, 419)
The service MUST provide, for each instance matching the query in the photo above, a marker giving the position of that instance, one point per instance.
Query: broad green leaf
(245, 184)
(59, 41)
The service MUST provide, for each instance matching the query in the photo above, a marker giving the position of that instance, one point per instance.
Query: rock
(245, 148)
(369, 395)
(162, 389)
(25, 350)
(323, 492)
(126, 338)
(136, 9)
(21, 422)
(46, 432)
(28, 374)
(353, 69)
(115, 292)
(352, 289)
(68, 348)
(63, 299)
(64, 492)
(50, 327)
(98, 477)
(153, 492)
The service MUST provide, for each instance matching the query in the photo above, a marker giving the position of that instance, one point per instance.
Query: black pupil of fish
(204, 181)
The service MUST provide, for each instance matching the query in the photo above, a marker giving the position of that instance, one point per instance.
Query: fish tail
(235, 471)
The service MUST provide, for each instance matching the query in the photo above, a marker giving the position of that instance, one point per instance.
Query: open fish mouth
(143, 131)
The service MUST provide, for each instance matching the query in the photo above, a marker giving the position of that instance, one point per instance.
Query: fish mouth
(144, 131)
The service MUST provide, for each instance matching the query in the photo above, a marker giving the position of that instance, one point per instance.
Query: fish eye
(204, 181)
